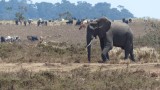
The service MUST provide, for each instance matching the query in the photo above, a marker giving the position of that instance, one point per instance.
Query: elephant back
(119, 26)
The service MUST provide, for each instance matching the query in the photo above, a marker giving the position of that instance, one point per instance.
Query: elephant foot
(104, 58)
(132, 58)
(103, 61)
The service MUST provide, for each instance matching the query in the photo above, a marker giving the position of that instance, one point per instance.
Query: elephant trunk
(89, 40)
(89, 50)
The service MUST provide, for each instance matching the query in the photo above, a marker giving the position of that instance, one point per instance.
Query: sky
(140, 8)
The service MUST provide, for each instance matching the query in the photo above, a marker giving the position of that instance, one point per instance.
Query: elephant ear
(93, 25)
(104, 24)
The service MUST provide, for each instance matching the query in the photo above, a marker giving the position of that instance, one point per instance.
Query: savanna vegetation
(64, 44)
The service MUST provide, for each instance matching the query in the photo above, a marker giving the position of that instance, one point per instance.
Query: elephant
(110, 34)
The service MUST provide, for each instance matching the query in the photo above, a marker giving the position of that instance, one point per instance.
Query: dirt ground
(71, 35)
(60, 67)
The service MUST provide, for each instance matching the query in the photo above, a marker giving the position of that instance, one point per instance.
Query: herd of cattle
(45, 23)
(16, 38)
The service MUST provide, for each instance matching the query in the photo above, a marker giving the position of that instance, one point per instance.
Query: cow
(10, 38)
(32, 38)
(78, 22)
(42, 22)
(69, 22)
(30, 21)
(2, 39)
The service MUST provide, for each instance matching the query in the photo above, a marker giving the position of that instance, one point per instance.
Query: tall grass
(78, 79)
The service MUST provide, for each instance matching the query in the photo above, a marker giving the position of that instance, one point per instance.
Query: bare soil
(60, 67)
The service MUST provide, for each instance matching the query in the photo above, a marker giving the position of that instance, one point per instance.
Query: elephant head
(96, 28)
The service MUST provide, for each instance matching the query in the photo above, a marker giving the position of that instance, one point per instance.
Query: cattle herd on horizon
(40, 22)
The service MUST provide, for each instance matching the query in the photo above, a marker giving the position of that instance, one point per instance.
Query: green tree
(19, 16)
(81, 10)
(66, 15)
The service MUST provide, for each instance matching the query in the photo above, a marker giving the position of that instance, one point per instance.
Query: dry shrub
(146, 54)
(155, 23)
(116, 53)
(143, 54)
(154, 74)
(157, 66)
(152, 38)
(152, 33)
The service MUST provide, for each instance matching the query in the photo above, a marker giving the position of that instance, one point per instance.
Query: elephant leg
(105, 51)
(131, 54)
(127, 50)
(102, 44)
(107, 56)
(126, 54)
(129, 47)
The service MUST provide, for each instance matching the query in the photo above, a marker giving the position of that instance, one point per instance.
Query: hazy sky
(139, 8)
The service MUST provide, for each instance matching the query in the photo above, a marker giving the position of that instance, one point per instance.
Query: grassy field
(60, 61)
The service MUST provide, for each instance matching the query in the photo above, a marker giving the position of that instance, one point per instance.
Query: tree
(66, 15)
(19, 16)
(103, 9)
(120, 7)
(81, 10)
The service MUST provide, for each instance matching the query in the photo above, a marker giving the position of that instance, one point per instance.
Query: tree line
(25, 9)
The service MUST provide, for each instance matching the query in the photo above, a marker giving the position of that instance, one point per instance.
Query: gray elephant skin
(110, 34)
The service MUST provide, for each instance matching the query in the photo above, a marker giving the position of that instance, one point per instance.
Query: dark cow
(39, 22)
(29, 21)
(3, 39)
(10, 38)
(125, 21)
(78, 22)
(25, 23)
(69, 22)
(32, 38)
(16, 22)
(130, 20)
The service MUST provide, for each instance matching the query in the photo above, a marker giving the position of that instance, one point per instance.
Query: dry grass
(65, 44)
(80, 78)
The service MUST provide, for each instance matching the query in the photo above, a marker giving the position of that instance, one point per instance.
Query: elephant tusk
(89, 44)
(101, 26)
(91, 27)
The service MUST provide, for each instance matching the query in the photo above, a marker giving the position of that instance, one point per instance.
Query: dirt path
(36, 67)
